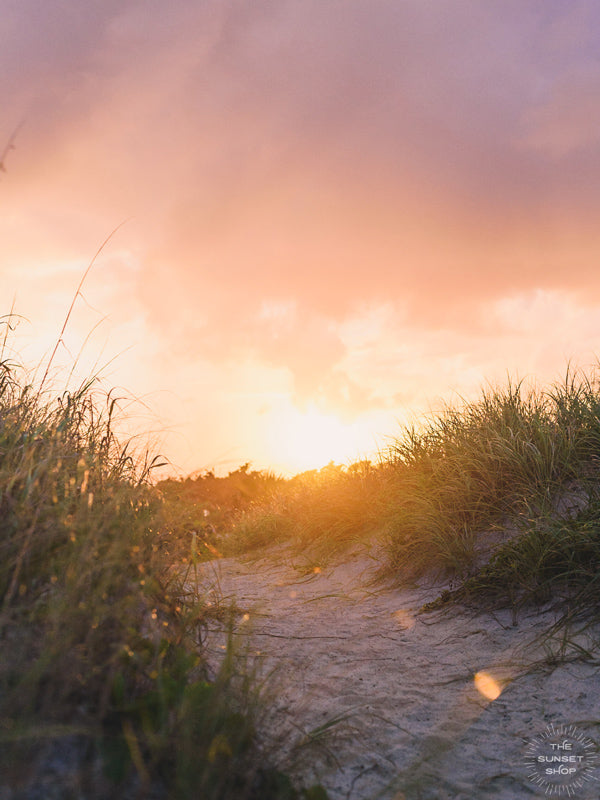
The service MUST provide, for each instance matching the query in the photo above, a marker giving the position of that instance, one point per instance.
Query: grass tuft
(104, 685)
(321, 512)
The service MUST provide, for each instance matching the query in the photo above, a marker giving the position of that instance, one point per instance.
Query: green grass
(102, 670)
(519, 461)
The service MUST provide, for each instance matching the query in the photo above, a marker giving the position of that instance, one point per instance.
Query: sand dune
(376, 700)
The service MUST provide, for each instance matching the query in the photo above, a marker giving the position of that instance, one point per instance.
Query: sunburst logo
(562, 760)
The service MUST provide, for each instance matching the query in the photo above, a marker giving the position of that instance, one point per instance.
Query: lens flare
(487, 685)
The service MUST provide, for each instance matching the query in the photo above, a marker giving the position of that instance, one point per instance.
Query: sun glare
(311, 439)
(487, 685)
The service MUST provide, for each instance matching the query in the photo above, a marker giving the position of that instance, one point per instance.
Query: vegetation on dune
(323, 511)
(104, 686)
(202, 509)
(502, 494)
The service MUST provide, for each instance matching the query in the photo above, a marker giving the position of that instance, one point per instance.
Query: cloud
(373, 156)
(317, 159)
(569, 120)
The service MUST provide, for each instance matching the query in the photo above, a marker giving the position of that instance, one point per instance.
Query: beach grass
(500, 495)
(503, 492)
(320, 513)
(104, 684)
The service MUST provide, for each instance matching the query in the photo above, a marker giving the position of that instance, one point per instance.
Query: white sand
(414, 725)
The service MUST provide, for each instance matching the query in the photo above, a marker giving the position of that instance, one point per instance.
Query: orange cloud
(319, 164)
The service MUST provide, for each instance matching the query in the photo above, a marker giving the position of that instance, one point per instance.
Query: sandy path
(414, 724)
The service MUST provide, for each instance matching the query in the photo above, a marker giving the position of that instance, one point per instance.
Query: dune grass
(504, 492)
(199, 511)
(104, 685)
(319, 513)
(502, 495)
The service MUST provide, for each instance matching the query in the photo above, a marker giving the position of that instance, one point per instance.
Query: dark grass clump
(555, 558)
(198, 511)
(104, 687)
(504, 493)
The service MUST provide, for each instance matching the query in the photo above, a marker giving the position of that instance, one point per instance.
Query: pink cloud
(429, 157)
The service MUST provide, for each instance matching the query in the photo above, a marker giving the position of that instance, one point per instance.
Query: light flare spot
(487, 685)
(212, 550)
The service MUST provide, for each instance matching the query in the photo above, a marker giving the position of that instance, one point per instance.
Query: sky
(325, 218)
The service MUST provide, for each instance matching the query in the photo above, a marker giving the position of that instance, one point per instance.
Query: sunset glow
(311, 439)
(334, 217)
